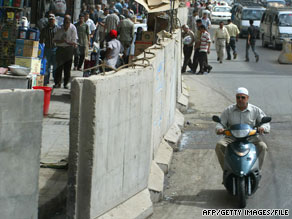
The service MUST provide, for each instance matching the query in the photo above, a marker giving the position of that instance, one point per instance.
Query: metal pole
(171, 16)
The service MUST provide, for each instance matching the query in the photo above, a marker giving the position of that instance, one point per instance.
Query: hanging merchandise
(7, 3)
(58, 7)
(18, 3)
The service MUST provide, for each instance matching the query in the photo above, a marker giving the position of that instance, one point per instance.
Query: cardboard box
(140, 46)
(26, 51)
(30, 43)
(148, 36)
(33, 63)
(37, 80)
(26, 48)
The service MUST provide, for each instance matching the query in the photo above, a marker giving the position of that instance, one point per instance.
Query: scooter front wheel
(241, 192)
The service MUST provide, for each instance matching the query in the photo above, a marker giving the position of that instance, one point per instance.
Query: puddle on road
(190, 137)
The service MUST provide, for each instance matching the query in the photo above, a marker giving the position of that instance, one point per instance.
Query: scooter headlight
(240, 133)
(242, 153)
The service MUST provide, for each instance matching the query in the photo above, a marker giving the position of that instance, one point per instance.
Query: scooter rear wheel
(241, 192)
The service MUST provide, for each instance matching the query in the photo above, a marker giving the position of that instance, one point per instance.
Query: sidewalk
(54, 153)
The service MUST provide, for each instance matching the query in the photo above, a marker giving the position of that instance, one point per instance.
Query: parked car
(276, 24)
(220, 13)
(246, 12)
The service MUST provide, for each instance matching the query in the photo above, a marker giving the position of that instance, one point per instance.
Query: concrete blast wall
(117, 122)
(111, 130)
(166, 72)
(20, 143)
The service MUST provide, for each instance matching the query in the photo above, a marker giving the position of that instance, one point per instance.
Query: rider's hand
(220, 131)
(261, 130)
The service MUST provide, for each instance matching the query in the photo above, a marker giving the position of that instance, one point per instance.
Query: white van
(276, 24)
(244, 13)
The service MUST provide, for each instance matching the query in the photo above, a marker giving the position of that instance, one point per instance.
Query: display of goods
(7, 2)
(22, 33)
(18, 3)
(33, 34)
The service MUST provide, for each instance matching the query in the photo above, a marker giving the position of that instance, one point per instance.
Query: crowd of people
(108, 27)
(197, 40)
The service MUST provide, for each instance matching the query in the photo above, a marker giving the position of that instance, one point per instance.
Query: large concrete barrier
(112, 140)
(20, 142)
(117, 123)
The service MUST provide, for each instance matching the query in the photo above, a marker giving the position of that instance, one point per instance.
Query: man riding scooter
(242, 113)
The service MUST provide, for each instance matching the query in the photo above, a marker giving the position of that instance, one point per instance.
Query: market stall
(20, 51)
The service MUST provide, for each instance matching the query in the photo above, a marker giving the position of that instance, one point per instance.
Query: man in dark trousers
(83, 43)
(205, 44)
(66, 40)
(252, 32)
(47, 36)
(188, 41)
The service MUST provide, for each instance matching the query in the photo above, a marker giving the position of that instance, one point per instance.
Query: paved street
(194, 181)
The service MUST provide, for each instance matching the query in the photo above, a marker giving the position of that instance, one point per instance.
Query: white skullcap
(242, 90)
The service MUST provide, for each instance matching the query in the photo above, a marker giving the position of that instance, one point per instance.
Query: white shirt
(70, 35)
(252, 115)
(91, 25)
(116, 49)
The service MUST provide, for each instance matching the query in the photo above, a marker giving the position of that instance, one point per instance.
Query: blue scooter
(241, 174)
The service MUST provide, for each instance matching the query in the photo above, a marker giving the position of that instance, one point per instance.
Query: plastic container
(43, 67)
(33, 34)
(47, 97)
(41, 50)
(22, 33)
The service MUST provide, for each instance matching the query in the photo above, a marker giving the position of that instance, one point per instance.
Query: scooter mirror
(216, 119)
(266, 119)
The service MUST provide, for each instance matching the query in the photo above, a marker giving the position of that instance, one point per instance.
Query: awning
(157, 5)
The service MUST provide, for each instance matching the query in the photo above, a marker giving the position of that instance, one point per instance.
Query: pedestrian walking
(126, 31)
(251, 41)
(101, 27)
(206, 21)
(66, 40)
(205, 44)
(192, 21)
(221, 38)
(197, 46)
(188, 41)
(46, 37)
(92, 27)
(112, 21)
(83, 42)
(233, 33)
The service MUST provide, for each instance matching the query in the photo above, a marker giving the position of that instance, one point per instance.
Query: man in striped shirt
(46, 37)
(204, 51)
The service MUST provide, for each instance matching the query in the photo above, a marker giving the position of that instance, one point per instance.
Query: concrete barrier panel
(158, 64)
(20, 144)
(114, 142)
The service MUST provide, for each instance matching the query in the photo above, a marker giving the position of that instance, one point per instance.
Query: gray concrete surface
(194, 180)
(119, 109)
(20, 144)
(113, 146)
(13, 82)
